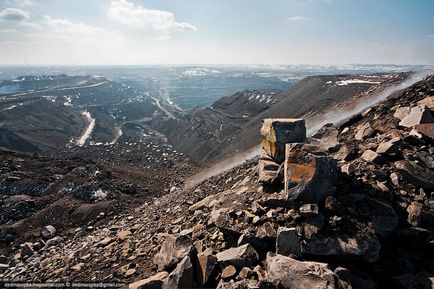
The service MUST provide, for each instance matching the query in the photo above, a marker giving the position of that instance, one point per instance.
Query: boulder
(52, 242)
(428, 102)
(207, 262)
(308, 176)
(153, 282)
(48, 232)
(181, 277)
(366, 246)
(233, 285)
(228, 272)
(287, 242)
(416, 175)
(426, 129)
(288, 273)
(173, 250)
(277, 132)
(389, 148)
(371, 157)
(422, 280)
(204, 203)
(239, 257)
(124, 234)
(246, 273)
(364, 131)
(268, 171)
(309, 210)
(401, 112)
(27, 249)
(414, 211)
(381, 213)
(418, 115)
(311, 226)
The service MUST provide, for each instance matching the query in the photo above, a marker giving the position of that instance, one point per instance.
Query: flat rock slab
(276, 132)
(418, 115)
(173, 250)
(418, 176)
(288, 273)
(239, 257)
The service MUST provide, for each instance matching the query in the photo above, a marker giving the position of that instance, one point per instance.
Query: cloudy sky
(85, 32)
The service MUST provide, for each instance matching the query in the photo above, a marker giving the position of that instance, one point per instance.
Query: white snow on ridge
(13, 106)
(82, 140)
(354, 81)
(198, 71)
(68, 101)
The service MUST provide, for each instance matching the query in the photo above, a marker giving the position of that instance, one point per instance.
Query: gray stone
(367, 247)
(288, 273)
(348, 168)
(371, 157)
(48, 232)
(418, 115)
(389, 148)
(428, 102)
(52, 242)
(414, 211)
(204, 203)
(27, 249)
(308, 176)
(309, 210)
(232, 285)
(228, 272)
(383, 216)
(364, 131)
(246, 273)
(401, 112)
(239, 257)
(173, 250)
(277, 132)
(268, 171)
(182, 276)
(287, 242)
(207, 263)
(153, 282)
(418, 176)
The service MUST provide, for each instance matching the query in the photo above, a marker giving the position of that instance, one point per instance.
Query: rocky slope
(372, 228)
(36, 190)
(202, 132)
(48, 113)
(231, 125)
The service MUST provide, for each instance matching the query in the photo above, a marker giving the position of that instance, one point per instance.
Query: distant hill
(232, 123)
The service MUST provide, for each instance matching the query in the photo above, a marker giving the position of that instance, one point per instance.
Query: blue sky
(84, 32)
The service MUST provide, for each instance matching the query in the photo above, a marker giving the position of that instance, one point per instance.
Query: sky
(138, 32)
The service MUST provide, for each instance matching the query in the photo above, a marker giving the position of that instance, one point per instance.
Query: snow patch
(82, 140)
(13, 106)
(356, 81)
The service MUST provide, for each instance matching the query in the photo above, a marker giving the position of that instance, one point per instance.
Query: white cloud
(14, 14)
(156, 23)
(30, 25)
(56, 40)
(298, 18)
(20, 3)
(431, 36)
(306, 2)
(68, 28)
(7, 30)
